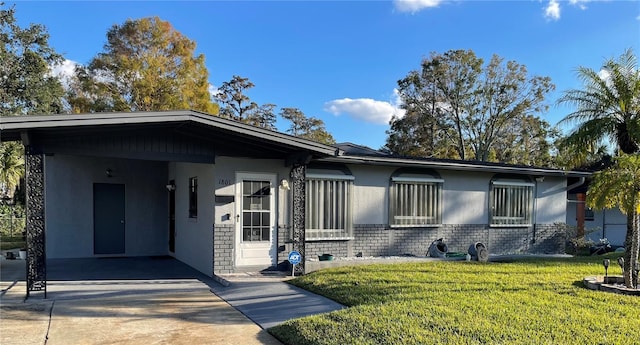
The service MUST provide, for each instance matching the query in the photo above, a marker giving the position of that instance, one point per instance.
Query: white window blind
(512, 203)
(328, 207)
(416, 201)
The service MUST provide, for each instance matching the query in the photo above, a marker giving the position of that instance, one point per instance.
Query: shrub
(576, 245)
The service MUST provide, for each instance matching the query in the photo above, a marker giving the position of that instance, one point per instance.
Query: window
(328, 207)
(193, 197)
(511, 203)
(415, 201)
(256, 211)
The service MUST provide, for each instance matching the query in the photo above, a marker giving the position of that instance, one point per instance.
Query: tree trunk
(632, 248)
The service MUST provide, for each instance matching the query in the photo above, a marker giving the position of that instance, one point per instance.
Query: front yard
(528, 302)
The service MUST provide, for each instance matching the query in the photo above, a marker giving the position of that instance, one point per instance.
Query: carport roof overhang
(231, 134)
(427, 163)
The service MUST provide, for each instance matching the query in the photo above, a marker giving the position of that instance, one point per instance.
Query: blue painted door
(108, 219)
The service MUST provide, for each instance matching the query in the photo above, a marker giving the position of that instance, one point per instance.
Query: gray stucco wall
(69, 204)
(194, 236)
(465, 196)
(551, 201)
(371, 194)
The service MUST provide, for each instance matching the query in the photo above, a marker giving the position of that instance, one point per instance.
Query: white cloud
(579, 3)
(213, 91)
(552, 11)
(604, 74)
(64, 71)
(366, 109)
(414, 6)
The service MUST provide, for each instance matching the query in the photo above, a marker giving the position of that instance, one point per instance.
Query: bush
(576, 245)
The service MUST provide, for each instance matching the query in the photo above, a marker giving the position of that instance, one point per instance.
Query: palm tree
(608, 107)
(619, 186)
(11, 167)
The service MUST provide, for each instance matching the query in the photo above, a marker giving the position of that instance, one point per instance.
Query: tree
(236, 105)
(11, 167)
(591, 156)
(529, 141)
(263, 117)
(619, 186)
(306, 127)
(456, 102)
(27, 85)
(608, 107)
(146, 65)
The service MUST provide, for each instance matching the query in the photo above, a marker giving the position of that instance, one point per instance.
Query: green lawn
(527, 302)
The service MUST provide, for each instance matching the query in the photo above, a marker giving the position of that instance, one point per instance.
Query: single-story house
(223, 196)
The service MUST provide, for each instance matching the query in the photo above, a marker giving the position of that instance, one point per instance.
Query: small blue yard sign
(294, 257)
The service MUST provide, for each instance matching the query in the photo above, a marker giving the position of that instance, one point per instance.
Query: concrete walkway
(145, 301)
(269, 301)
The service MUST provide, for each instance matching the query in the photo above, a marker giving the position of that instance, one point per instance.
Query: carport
(144, 300)
(140, 151)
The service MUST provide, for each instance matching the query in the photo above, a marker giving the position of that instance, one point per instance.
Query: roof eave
(26, 123)
(404, 162)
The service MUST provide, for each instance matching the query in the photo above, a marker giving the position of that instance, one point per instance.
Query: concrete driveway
(97, 302)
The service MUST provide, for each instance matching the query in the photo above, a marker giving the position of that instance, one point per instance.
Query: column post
(36, 253)
(580, 213)
(298, 173)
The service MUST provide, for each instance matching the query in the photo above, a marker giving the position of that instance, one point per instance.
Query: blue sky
(340, 60)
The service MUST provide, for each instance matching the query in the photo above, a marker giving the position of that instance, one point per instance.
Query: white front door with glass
(255, 219)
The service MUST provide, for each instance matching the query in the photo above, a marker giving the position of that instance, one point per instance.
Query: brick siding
(223, 242)
(382, 240)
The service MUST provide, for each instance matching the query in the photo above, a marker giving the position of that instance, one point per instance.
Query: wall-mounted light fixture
(284, 184)
(540, 179)
(170, 187)
(109, 172)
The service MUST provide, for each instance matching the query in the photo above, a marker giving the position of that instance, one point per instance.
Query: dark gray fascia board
(461, 165)
(26, 123)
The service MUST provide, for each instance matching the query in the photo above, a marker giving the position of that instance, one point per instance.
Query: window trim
(329, 177)
(348, 209)
(417, 179)
(438, 182)
(529, 217)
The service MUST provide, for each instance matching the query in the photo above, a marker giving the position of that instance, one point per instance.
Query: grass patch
(526, 302)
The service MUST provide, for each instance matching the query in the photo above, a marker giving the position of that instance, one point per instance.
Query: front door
(108, 218)
(255, 220)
